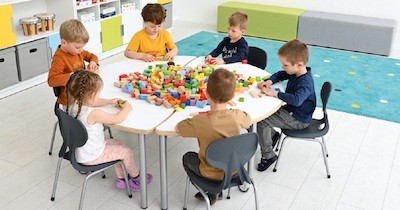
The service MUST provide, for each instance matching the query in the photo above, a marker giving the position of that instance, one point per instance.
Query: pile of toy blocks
(174, 86)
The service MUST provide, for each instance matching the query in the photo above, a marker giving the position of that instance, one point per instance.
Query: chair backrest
(231, 154)
(325, 93)
(257, 57)
(74, 135)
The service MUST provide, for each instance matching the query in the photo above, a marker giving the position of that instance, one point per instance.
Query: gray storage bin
(33, 59)
(168, 19)
(8, 68)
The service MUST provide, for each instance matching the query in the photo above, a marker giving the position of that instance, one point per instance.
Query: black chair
(317, 129)
(75, 135)
(57, 91)
(229, 154)
(257, 57)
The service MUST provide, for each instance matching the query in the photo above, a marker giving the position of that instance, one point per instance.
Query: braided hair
(80, 87)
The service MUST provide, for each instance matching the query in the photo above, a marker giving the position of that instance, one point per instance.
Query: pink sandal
(149, 178)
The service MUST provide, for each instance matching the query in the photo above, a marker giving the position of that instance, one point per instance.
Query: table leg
(163, 172)
(143, 172)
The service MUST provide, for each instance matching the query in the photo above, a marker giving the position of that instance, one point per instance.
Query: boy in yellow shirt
(152, 41)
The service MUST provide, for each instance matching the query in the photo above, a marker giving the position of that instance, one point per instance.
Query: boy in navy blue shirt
(299, 97)
(234, 47)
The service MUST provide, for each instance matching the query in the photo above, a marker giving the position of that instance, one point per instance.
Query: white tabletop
(144, 117)
(257, 108)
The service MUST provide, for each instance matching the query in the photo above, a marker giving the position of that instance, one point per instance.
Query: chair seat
(314, 130)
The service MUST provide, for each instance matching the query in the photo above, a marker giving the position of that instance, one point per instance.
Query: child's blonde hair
(295, 51)
(74, 31)
(221, 85)
(81, 85)
(238, 19)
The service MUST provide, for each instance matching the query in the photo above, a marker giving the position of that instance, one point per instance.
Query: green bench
(272, 22)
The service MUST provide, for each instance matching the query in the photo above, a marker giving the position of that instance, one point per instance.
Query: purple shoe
(132, 181)
(120, 183)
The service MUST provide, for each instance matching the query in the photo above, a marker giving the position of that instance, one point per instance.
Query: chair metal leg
(279, 154)
(126, 180)
(205, 196)
(229, 193)
(53, 194)
(103, 175)
(186, 193)
(326, 150)
(255, 194)
(109, 131)
(52, 138)
(324, 154)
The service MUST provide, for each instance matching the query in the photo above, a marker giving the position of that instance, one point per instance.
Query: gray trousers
(280, 119)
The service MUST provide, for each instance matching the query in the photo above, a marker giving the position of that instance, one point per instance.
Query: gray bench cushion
(348, 32)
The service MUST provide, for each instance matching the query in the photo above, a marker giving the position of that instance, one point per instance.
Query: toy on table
(174, 86)
(120, 102)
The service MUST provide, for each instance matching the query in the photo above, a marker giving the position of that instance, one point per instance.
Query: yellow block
(164, 1)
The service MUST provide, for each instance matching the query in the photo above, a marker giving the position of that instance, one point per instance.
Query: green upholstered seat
(265, 21)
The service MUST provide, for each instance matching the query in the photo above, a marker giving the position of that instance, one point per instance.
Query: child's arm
(172, 53)
(105, 102)
(139, 56)
(106, 118)
(92, 59)
(59, 73)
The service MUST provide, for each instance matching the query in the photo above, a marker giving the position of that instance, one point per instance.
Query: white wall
(206, 11)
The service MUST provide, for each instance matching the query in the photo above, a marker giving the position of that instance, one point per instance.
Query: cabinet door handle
(101, 38)
(122, 30)
(1, 60)
(33, 50)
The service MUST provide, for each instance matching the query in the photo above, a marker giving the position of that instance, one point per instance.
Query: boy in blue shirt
(299, 97)
(234, 47)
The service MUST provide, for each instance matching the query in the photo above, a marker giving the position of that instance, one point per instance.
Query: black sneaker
(265, 163)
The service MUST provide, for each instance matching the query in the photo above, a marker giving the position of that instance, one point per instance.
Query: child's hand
(169, 55)
(114, 101)
(126, 106)
(218, 61)
(148, 57)
(208, 58)
(93, 66)
(269, 92)
(265, 84)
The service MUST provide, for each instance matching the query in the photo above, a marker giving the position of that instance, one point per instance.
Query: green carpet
(363, 84)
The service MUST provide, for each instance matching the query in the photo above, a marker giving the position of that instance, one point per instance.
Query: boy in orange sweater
(70, 56)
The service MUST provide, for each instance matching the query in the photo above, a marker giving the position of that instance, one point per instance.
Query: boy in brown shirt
(70, 56)
(216, 124)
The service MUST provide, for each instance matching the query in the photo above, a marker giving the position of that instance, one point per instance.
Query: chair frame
(315, 132)
(75, 135)
(238, 151)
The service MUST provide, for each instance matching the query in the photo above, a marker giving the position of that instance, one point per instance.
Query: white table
(257, 108)
(144, 117)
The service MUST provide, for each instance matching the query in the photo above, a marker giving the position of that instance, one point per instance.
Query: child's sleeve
(58, 73)
(186, 128)
(88, 56)
(217, 51)
(245, 120)
(134, 44)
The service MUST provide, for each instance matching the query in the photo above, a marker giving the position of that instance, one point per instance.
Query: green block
(241, 99)
(265, 21)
